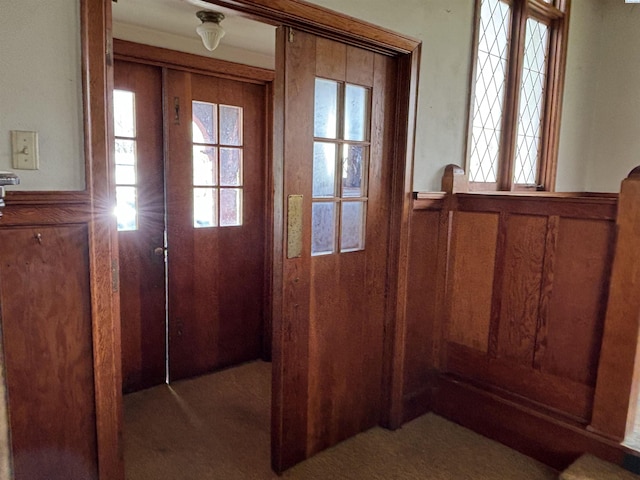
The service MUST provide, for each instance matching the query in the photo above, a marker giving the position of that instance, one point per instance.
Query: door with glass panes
(337, 126)
(208, 200)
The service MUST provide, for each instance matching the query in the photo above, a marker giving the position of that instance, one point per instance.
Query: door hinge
(115, 275)
(176, 110)
(290, 34)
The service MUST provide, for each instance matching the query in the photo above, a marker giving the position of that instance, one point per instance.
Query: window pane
(125, 175)
(352, 165)
(531, 103)
(205, 211)
(324, 169)
(230, 167)
(205, 165)
(352, 226)
(230, 125)
(124, 113)
(230, 207)
(204, 122)
(126, 208)
(356, 107)
(491, 65)
(325, 123)
(125, 152)
(323, 224)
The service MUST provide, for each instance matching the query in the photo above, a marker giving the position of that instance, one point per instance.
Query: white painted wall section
(614, 142)
(41, 89)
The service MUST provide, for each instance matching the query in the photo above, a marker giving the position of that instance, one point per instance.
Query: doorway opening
(192, 163)
(291, 411)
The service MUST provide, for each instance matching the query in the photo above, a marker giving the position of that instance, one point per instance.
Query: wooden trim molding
(47, 198)
(618, 370)
(554, 442)
(97, 74)
(324, 22)
(398, 264)
(136, 52)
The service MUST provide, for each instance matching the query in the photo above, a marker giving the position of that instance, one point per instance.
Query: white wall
(614, 141)
(41, 89)
(578, 115)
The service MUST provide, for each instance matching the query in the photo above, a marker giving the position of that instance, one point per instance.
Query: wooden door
(140, 197)
(216, 228)
(333, 207)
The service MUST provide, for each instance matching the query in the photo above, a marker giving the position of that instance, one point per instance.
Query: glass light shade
(211, 34)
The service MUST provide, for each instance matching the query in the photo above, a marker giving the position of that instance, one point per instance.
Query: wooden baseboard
(416, 404)
(536, 434)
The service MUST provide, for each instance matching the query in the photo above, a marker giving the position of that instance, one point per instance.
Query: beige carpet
(217, 427)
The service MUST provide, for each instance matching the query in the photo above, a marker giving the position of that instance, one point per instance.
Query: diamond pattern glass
(531, 103)
(491, 68)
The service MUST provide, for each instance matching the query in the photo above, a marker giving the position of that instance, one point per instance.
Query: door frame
(97, 72)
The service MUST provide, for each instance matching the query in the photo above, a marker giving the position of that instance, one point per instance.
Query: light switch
(25, 150)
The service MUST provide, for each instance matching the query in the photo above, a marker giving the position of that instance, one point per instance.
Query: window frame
(555, 14)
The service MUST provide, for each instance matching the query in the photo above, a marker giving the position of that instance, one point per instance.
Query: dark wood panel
(46, 325)
(554, 442)
(216, 275)
(522, 259)
(572, 399)
(142, 283)
(421, 301)
(331, 59)
(575, 318)
(348, 300)
(360, 65)
(473, 255)
(294, 140)
(618, 376)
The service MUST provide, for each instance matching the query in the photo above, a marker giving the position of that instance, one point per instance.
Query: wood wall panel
(537, 269)
(474, 241)
(46, 325)
(347, 296)
(421, 301)
(520, 290)
(577, 306)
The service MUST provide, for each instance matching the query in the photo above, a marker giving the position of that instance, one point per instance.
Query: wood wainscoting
(506, 311)
(45, 311)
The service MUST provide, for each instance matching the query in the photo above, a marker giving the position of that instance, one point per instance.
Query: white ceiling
(178, 17)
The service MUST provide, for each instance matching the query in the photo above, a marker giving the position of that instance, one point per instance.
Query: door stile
(177, 114)
(292, 285)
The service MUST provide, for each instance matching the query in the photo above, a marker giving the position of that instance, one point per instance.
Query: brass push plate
(294, 226)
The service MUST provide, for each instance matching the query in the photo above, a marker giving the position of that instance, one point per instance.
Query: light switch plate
(25, 150)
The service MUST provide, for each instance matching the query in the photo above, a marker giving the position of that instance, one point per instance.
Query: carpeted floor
(217, 427)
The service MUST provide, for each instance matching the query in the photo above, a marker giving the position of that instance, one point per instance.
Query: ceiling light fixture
(210, 29)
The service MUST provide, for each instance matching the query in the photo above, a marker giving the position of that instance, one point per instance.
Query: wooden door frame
(97, 61)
